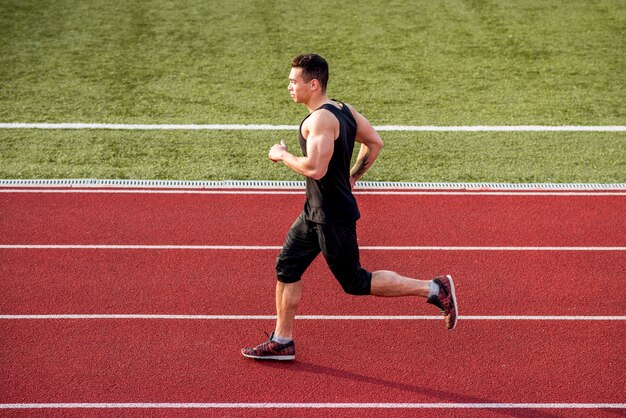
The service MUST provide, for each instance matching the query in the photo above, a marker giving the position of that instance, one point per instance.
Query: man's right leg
(288, 297)
(280, 345)
(299, 251)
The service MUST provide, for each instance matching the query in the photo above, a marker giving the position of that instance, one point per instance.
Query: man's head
(314, 67)
(308, 77)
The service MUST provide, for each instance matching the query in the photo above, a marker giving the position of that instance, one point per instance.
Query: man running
(328, 222)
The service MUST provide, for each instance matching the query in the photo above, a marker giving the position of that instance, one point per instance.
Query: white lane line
(315, 317)
(472, 248)
(301, 192)
(269, 127)
(139, 247)
(338, 405)
(131, 191)
(278, 247)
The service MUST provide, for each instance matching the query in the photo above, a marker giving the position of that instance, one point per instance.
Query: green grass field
(402, 63)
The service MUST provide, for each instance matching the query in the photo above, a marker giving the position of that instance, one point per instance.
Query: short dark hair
(313, 67)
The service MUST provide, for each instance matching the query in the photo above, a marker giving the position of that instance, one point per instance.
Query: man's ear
(315, 84)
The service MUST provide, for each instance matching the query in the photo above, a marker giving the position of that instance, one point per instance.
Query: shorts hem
(288, 280)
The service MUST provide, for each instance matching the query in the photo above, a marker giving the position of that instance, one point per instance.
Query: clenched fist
(277, 150)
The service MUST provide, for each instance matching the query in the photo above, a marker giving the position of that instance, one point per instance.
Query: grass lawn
(235, 155)
(469, 62)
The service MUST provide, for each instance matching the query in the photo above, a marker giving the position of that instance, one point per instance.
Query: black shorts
(338, 244)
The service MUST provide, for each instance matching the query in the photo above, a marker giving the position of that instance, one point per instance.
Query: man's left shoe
(446, 300)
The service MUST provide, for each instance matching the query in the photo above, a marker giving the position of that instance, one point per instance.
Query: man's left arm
(320, 140)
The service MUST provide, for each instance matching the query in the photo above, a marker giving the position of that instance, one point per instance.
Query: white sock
(433, 289)
(280, 340)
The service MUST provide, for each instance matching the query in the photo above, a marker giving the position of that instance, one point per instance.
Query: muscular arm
(320, 131)
(371, 144)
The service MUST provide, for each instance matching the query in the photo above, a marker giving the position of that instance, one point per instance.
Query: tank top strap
(342, 110)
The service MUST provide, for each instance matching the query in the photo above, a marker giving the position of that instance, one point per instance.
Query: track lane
(226, 219)
(323, 412)
(489, 362)
(242, 282)
(585, 357)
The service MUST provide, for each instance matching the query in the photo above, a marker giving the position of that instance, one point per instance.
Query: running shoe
(271, 350)
(446, 300)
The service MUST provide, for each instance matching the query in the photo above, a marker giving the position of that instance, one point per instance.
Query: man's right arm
(371, 144)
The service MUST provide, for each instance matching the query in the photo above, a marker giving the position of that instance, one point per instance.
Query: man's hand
(276, 152)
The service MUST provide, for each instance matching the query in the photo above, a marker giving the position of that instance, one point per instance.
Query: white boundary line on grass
(313, 405)
(316, 317)
(267, 127)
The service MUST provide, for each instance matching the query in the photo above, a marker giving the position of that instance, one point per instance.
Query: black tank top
(330, 199)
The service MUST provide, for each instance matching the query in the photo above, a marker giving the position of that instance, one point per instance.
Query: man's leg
(288, 297)
(391, 284)
(340, 248)
(439, 291)
(280, 345)
(299, 251)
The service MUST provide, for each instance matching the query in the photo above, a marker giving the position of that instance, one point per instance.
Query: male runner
(328, 221)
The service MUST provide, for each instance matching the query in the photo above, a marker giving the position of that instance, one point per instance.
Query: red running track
(263, 219)
(353, 361)
(195, 282)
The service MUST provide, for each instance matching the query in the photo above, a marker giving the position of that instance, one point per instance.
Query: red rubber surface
(417, 361)
(388, 220)
(230, 282)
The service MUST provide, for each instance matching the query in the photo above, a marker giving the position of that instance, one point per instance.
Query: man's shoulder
(320, 119)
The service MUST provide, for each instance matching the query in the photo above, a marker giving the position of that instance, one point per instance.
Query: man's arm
(320, 130)
(371, 144)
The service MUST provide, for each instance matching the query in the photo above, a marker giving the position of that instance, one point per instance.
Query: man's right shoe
(446, 300)
(271, 350)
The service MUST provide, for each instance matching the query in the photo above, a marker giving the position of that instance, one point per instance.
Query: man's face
(298, 88)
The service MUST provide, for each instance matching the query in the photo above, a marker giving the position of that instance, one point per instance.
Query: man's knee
(286, 271)
(359, 284)
(287, 278)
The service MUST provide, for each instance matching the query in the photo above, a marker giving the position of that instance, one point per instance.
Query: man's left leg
(439, 291)
(340, 248)
(391, 284)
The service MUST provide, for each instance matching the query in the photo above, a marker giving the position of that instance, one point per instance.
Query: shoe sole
(280, 358)
(456, 306)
